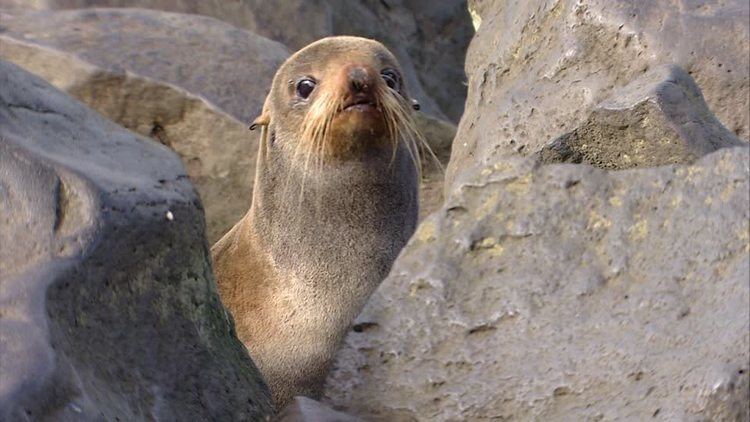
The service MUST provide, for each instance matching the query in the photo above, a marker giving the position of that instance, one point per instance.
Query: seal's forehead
(334, 49)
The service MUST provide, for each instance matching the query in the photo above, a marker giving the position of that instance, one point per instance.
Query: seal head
(340, 97)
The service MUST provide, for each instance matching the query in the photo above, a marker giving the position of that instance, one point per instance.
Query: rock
(569, 292)
(439, 136)
(190, 82)
(108, 306)
(538, 68)
(658, 119)
(429, 38)
(564, 292)
(303, 409)
(312, 18)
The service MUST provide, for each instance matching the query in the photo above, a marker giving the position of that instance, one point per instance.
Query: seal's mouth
(361, 103)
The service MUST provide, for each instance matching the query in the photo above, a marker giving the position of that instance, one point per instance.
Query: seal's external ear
(415, 104)
(264, 119)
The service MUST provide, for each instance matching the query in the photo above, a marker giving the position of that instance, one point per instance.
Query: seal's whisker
(314, 133)
(400, 121)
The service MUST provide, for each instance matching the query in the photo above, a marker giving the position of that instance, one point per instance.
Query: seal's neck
(339, 226)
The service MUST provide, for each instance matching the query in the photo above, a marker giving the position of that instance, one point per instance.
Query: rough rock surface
(304, 409)
(537, 68)
(565, 292)
(429, 37)
(190, 82)
(660, 118)
(108, 308)
(570, 292)
(439, 135)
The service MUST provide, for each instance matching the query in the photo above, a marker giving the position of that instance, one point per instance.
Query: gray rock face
(537, 68)
(109, 308)
(303, 409)
(660, 118)
(187, 81)
(311, 18)
(429, 38)
(565, 292)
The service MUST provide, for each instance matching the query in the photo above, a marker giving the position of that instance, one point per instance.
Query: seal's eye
(305, 87)
(391, 79)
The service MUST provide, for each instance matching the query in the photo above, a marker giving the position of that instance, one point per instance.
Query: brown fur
(335, 200)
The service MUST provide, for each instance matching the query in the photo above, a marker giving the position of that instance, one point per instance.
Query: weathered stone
(537, 68)
(439, 136)
(428, 37)
(188, 81)
(303, 409)
(658, 119)
(565, 292)
(108, 308)
(311, 19)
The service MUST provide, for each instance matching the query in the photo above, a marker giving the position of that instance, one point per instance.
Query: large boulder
(109, 307)
(191, 82)
(546, 291)
(311, 18)
(565, 292)
(429, 37)
(537, 68)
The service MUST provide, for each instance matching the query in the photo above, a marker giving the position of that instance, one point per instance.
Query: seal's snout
(359, 79)
(359, 84)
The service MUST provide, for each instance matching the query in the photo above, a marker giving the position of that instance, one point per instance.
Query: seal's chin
(357, 128)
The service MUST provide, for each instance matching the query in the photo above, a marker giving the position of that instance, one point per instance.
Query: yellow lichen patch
(638, 231)
(724, 166)
(520, 185)
(744, 236)
(416, 286)
(496, 250)
(490, 245)
(597, 221)
(726, 194)
(487, 207)
(676, 201)
(709, 200)
(501, 166)
(615, 201)
(426, 232)
(486, 243)
(692, 171)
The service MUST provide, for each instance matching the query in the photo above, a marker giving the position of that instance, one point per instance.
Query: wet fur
(327, 220)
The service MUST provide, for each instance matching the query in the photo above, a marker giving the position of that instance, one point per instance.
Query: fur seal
(334, 201)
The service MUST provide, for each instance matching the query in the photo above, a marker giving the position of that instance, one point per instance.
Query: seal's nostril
(358, 79)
